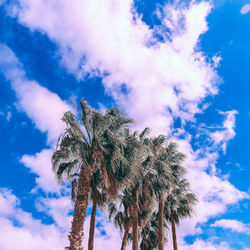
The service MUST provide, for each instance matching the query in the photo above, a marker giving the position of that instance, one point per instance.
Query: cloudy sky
(179, 67)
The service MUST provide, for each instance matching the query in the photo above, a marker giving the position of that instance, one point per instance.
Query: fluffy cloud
(29, 233)
(245, 9)
(40, 164)
(215, 193)
(58, 208)
(7, 202)
(234, 225)
(163, 79)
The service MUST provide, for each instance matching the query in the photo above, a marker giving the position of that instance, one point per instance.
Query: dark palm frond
(144, 133)
(64, 166)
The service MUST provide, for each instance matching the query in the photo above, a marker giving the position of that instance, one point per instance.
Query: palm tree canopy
(95, 142)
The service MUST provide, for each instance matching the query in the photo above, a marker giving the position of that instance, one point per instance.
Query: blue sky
(179, 67)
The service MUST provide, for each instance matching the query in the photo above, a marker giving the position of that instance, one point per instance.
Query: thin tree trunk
(125, 237)
(79, 216)
(135, 223)
(92, 227)
(160, 225)
(174, 233)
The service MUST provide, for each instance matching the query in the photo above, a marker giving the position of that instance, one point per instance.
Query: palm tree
(167, 167)
(153, 181)
(173, 171)
(141, 188)
(179, 204)
(93, 145)
(139, 194)
(163, 154)
(161, 182)
(128, 212)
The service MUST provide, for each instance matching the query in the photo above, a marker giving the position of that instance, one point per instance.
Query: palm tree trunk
(135, 223)
(125, 237)
(79, 216)
(160, 225)
(174, 233)
(92, 227)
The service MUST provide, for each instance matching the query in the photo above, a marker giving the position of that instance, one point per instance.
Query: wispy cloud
(245, 9)
(227, 132)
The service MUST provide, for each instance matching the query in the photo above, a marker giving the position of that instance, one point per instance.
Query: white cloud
(40, 164)
(245, 9)
(206, 245)
(222, 136)
(172, 75)
(234, 225)
(215, 194)
(43, 107)
(59, 209)
(28, 233)
(7, 202)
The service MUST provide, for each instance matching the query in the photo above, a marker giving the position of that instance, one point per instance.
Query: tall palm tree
(94, 144)
(168, 168)
(142, 188)
(161, 182)
(127, 214)
(175, 170)
(179, 204)
(142, 207)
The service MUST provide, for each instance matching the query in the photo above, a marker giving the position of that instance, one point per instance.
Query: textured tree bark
(135, 223)
(125, 237)
(92, 227)
(79, 216)
(174, 233)
(160, 225)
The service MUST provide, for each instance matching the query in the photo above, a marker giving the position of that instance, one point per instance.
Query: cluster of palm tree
(137, 179)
